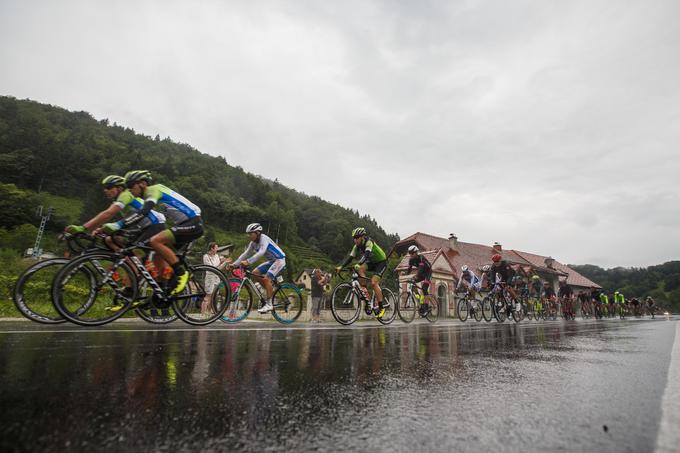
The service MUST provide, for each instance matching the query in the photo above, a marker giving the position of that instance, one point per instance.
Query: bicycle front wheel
(477, 306)
(487, 309)
(433, 312)
(463, 310)
(205, 298)
(500, 311)
(287, 301)
(95, 289)
(407, 307)
(390, 309)
(345, 304)
(31, 294)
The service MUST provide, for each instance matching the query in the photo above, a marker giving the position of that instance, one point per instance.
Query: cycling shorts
(377, 268)
(187, 231)
(147, 233)
(271, 268)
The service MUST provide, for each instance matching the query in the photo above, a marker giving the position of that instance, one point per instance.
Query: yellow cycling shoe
(381, 313)
(182, 280)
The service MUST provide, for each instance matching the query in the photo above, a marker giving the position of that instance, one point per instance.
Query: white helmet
(486, 268)
(253, 227)
(464, 268)
(413, 249)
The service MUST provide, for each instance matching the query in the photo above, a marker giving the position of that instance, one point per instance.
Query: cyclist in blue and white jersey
(469, 280)
(262, 246)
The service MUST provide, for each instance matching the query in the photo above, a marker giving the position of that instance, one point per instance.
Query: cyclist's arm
(103, 217)
(153, 196)
(368, 253)
(245, 255)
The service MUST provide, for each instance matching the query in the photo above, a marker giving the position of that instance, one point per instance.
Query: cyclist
(549, 297)
(370, 257)
(186, 218)
(261, 246)
(423, 274)
(123, 202)
(502, 272)
(619, 301)
(536, 286)
(650, 305)
(635, 306)
(566, 295)
(486, 276)
(469, 280)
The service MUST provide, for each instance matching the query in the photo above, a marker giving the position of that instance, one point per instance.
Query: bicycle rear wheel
(345, 304)
(287, 301)
(148, 311)
(407, 307)
(205, 298)
(240, 303)
(31, 293)
(477, 310)
(391, 309)
(463, 310)
(433, 313)
(94, 289)
(487, 309)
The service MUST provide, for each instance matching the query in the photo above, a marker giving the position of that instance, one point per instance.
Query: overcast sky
(549, 126)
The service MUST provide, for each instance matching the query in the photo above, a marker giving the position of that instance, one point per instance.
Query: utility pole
(277, 232)
(37, 251)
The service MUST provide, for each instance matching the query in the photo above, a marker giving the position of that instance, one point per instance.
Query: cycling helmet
(486, 268)
(134, 176)
(253, 228)
(535, 277)
(496, 258)
(413, 249)
(464, 268)
(358, 232)
(113, 181)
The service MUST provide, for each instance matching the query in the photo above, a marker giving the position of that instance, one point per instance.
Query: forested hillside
(662, 282)
(54, 157)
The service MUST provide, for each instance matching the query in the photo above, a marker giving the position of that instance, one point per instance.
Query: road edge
(668, 437)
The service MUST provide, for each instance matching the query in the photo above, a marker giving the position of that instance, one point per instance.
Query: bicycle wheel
(205, 298)
(345, 304)
(463, 310)
(487, 309)
(31, 293)
(407, 307)
(148, 311)
(500, 311)
(94, 289)
(433, 313)
(516, 314)
(390, 309)
(287, 301)
(477, 312)
(241, 302)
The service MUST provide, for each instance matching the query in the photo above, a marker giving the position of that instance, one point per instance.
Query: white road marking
(668, 438)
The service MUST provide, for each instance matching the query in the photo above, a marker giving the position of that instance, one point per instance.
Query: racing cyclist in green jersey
(370, 257)
(185, 215)
(123, 202)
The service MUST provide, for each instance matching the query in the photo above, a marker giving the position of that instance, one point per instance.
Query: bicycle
(348, 297)
(35, 283)
(586, 309)
(411, 302)
(119, 289)
(567, 308)
(286, 299)
(503, 304)
(468, 305)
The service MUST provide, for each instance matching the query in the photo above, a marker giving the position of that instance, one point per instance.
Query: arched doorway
(442, 299)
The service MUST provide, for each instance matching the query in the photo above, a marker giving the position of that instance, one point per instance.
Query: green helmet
(359, 231)
(135, 176)
(113, 181)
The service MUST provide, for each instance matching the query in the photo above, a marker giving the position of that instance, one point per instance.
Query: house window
(441, 295)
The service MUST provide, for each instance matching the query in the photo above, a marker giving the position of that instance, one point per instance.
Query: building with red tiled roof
(449, 255)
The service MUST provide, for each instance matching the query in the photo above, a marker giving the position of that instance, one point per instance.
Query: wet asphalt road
(442, 387)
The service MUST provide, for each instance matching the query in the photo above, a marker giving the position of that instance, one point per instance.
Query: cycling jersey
(422, 265)
(619, 299)
(604, 298)
(469, 277)
(129, 203)
(502, 272)
(548, 292)
(177, 207)
(370, 252)
(262, 247)
(566, 291)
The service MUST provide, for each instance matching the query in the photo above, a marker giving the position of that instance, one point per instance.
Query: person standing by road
(211, 258)
(319, 280)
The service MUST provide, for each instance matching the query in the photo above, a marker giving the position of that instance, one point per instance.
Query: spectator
(319, 280)
(211, 281)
